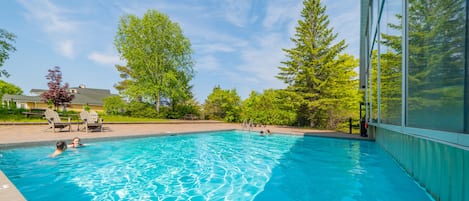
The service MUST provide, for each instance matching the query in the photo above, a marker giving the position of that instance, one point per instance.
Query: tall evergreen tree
(316, 70)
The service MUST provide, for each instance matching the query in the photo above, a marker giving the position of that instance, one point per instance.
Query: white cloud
(214, 47)
(52, 20)
(211, 36)
(65, 48)
(281, 11)
(207, 62)
(49, 16)
(105, 59)
(237, 12)
(260, 62)
(346, 22)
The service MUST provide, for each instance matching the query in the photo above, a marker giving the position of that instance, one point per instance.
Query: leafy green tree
(114, 105)
(141, 109)
(179, 104)
(272, 107)
(6, 47)
(223, 105)
(8, 88)
(191, 106)
(316, 70)
(58, 94)
(158, 55)
(177, 111)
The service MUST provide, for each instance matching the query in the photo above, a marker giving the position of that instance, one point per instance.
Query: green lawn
(17, 116)
(117, 119)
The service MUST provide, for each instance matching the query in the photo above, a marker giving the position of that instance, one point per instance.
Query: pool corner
(8, 191)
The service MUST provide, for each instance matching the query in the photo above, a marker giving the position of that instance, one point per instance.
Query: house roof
(89, 98)
(11, 97)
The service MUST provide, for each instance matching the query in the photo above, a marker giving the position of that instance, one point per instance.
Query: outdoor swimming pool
(225, 165)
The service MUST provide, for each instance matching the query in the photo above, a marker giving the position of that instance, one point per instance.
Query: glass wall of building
(417, 64)
(391, 63)
(436, 72)
(372, 89)
(414, 61)
(373, 81)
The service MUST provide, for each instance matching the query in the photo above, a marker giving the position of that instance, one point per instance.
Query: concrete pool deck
(17, 134)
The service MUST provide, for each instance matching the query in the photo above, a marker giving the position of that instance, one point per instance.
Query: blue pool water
(229, 165)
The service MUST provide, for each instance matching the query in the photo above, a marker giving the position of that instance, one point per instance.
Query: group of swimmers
(267, 132)
(61, 146)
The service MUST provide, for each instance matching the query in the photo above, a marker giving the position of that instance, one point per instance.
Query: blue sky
(237, 43)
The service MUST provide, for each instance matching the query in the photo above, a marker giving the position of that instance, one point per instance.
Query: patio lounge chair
(91, 121)
(54, 121)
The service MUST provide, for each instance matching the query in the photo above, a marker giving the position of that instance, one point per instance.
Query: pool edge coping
(8, 190)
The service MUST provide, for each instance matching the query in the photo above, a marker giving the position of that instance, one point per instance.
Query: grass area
(22, 120)
(106, 118)
(18, 116)
(121, 119)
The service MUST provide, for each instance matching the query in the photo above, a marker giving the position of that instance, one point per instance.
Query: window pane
(391, 62)
(373, 86)
(436, 64)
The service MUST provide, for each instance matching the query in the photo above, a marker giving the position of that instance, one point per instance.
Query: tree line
(322, 85)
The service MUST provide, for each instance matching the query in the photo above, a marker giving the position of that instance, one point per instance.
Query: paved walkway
(20, 134)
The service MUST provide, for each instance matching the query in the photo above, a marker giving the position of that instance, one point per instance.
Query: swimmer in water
(76, 143)
(61, 146)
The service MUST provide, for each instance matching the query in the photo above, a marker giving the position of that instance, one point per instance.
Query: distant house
(93, 98)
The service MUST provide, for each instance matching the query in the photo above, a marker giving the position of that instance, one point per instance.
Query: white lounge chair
(54, 121)
(91, 121)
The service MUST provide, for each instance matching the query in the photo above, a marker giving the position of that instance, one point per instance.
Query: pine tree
(316, 70)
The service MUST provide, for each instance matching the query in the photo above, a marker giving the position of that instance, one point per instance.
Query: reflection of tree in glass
(391, 65)
(436, 63)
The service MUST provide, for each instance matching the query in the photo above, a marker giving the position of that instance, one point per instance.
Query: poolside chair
(54, 121)
(91, 121)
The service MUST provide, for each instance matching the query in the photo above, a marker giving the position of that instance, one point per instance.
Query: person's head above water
(76, 142)
(61, 145)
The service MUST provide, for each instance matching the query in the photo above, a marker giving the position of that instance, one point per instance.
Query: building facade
(84, 97)
(414, 58)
